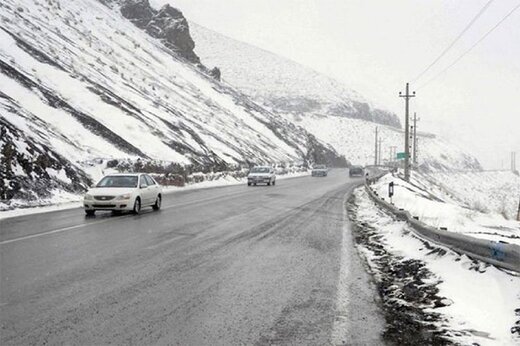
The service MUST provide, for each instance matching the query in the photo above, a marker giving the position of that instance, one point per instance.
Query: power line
(471, 48)
(482, 10)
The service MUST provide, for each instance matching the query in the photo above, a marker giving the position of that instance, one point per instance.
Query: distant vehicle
(320, 171)
(356, 171)
(261, 175)
(123, 192)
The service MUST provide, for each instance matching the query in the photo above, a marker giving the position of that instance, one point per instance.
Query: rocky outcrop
(138, 12)
(31, 170)
(363, 111)
(168, 24)
(172, 28)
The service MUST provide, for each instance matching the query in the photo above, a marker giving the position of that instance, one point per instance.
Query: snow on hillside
(356, 140)
(323, 106)
(445, 298)
(79, 79)
(496, 192)
(281, 84)
(429, 202)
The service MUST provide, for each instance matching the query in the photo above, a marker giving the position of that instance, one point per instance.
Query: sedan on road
(320, 171)
(261, 175)
(355, 171)
(123, 192)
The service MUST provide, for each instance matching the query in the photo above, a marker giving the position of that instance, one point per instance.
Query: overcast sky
(376, 46)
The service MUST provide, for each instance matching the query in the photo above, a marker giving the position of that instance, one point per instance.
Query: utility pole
(518, 213)
(375, 152)
(393, 152)
(407, 97)
(379, 151)
(415, 140)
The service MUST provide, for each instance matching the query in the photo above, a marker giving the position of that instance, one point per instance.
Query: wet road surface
(223, 266)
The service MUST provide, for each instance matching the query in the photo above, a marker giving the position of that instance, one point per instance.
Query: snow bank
(480, 303)
(436, 208)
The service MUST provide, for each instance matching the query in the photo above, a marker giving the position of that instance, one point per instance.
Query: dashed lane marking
(69, 228)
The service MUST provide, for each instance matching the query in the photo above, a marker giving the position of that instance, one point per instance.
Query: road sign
(401, 156)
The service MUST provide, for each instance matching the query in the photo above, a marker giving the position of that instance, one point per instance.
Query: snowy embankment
(430, 294)
(493, 191)
(437, 208)
(62, 200)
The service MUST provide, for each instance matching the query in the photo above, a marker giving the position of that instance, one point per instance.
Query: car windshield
(319, 167)
(260, 170)
(118, 181)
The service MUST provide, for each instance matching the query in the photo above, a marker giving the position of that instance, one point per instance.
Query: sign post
(391, 191)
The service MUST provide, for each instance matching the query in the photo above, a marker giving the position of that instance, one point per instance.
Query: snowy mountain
(81, 85)
(323, 106)
(281, 84)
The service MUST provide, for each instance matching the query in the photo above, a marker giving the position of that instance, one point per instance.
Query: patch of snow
(481, 302)
(60, 175)
(426, 201)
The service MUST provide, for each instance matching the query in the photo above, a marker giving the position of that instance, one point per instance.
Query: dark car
(356, 171)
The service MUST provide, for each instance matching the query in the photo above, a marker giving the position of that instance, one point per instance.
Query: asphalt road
(223, 266)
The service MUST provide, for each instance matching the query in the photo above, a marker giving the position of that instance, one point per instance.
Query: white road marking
(53, 231)
(69, 228)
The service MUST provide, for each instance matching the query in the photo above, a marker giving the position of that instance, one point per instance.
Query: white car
(123, 192)
(261, 175)
(320, 171)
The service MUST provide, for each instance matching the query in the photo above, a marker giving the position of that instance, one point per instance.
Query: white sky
(374, 47)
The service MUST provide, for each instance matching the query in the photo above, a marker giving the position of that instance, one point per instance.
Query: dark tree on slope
(215, 73)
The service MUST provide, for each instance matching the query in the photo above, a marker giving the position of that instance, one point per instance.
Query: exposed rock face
(362, 110)
(138, 12)
(318, 153)
(32, 170)
(168, 24)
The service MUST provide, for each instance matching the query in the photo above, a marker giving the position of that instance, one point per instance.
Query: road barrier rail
(500, 254)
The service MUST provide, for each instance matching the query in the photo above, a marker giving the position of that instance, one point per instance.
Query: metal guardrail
(500, 254)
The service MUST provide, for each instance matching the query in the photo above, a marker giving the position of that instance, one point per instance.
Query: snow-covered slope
(282, 84)
(323, 106)
(80, 83)
(355, 139)
(430, 202)
(490, 192)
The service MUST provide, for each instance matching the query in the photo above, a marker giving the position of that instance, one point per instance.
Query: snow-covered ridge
(83, 82)
(281, 84)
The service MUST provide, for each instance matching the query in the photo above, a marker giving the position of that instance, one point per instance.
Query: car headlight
(125, 196)
(87, 196)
